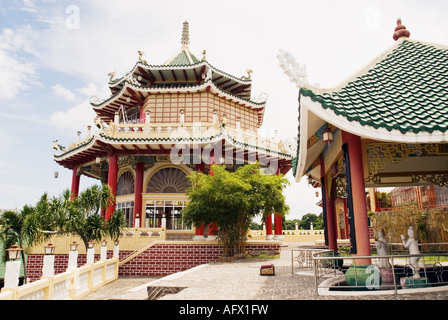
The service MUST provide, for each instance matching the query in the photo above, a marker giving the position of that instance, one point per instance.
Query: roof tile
(407, 91)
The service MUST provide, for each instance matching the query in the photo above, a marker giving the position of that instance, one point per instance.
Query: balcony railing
(74, 284)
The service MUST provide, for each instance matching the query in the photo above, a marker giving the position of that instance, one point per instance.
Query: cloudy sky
(55, 54)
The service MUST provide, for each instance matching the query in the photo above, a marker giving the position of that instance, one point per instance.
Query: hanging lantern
(310, 180)
(327, 136)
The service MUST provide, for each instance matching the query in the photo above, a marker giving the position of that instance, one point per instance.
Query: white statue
(412, 244)
(381, 247)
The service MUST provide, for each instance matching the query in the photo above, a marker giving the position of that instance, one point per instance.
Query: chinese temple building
(163, 122)
(386, 126)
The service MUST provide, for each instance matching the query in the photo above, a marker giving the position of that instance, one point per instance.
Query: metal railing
(376, 278)
(304, 258)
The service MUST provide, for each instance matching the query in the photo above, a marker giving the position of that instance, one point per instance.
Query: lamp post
(90, 252)
(73, 256)
(116, 248)
(48, 267)
(103, 254)
(14, 252)
(12, 268)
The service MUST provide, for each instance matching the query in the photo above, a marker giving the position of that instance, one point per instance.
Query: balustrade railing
(181, 131)
(74, 284)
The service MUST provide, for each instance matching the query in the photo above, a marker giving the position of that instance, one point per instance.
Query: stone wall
(430, 225)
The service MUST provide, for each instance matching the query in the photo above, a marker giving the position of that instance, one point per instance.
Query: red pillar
(329, 211)
(278, 228)
(138, 194)
(278, 225)
(75, 183)
(357, 182)
(268, 225)
(112, 182)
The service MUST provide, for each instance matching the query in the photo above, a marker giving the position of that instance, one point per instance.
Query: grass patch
(262, 255)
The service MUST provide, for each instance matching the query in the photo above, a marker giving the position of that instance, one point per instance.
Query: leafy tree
(317, 221)
(291, 224)
(231, 200)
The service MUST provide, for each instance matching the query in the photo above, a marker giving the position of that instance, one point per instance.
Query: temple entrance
(170, 209)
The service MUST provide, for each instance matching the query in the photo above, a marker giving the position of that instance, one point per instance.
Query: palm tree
(84, 215)
(115, 225)
(24, 228)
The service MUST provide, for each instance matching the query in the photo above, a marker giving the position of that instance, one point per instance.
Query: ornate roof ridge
(115, 82)
(203, 85)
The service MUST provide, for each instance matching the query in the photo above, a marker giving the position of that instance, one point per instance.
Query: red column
(278, 228)
(112, 182)
(329, 211)
(138, 194)
(269, 227)
(278, 225)
(358, 194)
(432, 200)
(199, 231)
(75, 183)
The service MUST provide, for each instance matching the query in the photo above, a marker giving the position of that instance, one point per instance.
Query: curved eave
(107, 108)
(102, 145)
(152, 74)
(354, 127)
(83, 153)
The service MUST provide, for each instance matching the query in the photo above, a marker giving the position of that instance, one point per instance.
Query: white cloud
(17, 74)
(81, 115)
(61, 91)
(29, 6)
(74, 118)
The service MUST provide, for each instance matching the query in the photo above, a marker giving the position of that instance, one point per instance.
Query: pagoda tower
(163, 122)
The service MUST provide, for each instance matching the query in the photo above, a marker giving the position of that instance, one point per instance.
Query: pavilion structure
(163, 122)
(386, 126)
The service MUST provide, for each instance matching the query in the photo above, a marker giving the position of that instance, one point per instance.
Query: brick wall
(159, 260)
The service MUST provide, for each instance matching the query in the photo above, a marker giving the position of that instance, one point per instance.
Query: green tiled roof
(182, 59)
(407, 90)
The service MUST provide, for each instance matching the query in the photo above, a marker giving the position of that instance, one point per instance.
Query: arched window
(168, 180)
(125, 184)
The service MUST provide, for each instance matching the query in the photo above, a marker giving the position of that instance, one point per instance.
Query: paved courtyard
(238, 280)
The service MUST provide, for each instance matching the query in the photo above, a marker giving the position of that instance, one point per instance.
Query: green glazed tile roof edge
(406, 90)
